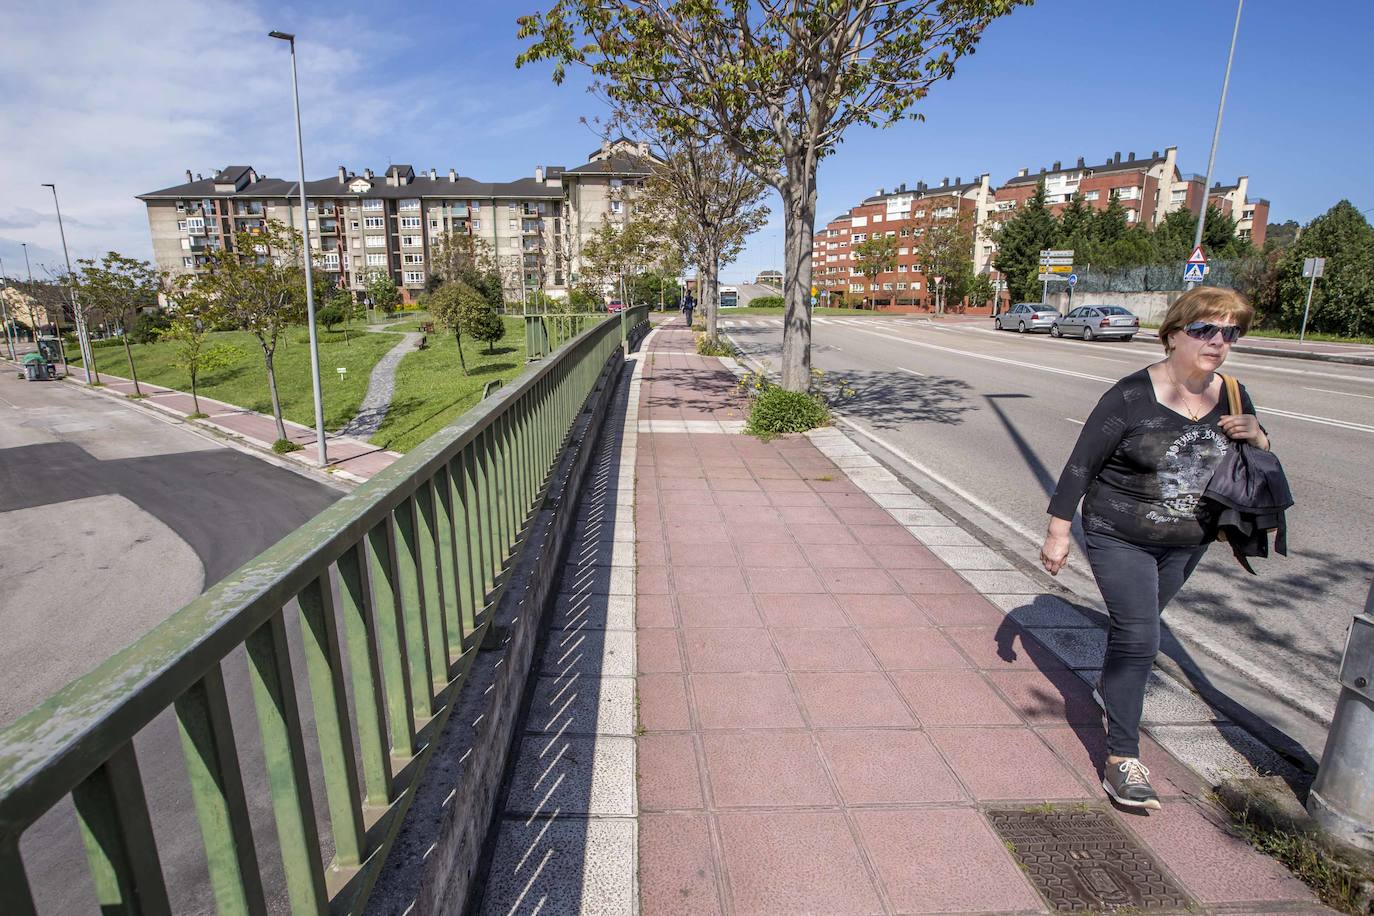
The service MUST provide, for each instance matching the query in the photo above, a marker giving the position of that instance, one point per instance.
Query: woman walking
(1140, 467)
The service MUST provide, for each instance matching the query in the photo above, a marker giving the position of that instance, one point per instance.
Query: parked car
(1090, 321)
(1027, 316)
(615, 306)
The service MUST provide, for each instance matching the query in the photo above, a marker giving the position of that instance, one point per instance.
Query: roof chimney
(944, 182)
(199, 177)
(643, 147)
(1080, 162)
(1057, 164)
(343, 175)
(452, 175)
(958, 179)
(1022, 173)
(1117, 156)
(879, 192)
(1130, 157)
(1154, 154)
(432, 174)
(367, 173)
(539, 174)
(188, 176)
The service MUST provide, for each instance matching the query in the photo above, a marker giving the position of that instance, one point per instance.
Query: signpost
(1055, 264)
(1312, 268)
(1196, 267)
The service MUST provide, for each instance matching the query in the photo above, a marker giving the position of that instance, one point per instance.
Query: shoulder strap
(1232, 395)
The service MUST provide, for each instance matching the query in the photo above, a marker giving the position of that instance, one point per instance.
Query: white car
(1027, 316)
(1093, 321)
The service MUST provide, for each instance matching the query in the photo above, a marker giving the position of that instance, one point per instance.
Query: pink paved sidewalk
(353, 457)
(829, 711)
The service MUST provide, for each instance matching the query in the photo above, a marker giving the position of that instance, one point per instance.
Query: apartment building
(1251, 216)
(361, 223)
(904, 214)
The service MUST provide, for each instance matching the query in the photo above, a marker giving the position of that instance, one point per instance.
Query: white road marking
(1072, 420)
(1325, 421)
(913, 371)
(1349, 394)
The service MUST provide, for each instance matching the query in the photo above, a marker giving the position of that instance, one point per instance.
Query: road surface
(990, 417)
(110, 520)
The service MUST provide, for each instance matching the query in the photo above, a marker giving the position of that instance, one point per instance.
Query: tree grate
(1081, 860)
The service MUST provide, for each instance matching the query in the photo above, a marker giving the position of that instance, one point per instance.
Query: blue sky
(111, 99)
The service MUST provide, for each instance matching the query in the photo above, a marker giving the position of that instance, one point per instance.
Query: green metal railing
(394, 585)
(547, 331)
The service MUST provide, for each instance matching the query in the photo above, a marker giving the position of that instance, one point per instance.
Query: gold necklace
(1183, 392)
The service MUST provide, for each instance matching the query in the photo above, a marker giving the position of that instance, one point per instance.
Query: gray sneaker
(1128, 783)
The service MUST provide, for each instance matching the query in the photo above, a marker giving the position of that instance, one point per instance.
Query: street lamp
(309, 283)
(1216, 135)
(5, 312)
(83, 340)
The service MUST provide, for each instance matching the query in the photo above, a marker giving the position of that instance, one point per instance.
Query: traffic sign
(1056, 252)
(1073, 279)
(1193, 272)
(1314, 267)
(1058, 278)
(1197, 257)
(813, 300)
(1064, 261)
(1056, 268)
(814, 292)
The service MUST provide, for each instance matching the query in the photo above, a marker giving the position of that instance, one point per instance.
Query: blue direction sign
(1073, 279)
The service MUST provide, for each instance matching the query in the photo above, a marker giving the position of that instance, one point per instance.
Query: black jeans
(687, 313)
(1137, 581)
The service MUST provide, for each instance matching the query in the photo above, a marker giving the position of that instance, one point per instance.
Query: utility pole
(1216, 135)
(83, 338)
(309, 267)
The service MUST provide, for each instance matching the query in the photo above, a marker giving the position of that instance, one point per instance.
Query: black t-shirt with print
(1143, 467)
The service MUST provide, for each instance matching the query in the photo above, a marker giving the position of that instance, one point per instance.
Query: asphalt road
(989, 418)
(110, 520)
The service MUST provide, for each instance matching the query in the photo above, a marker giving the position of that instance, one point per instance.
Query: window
(1005, 205)
(195, 222)
(331, 261)
(1243, 235)
(414, 276)
(887, 287)
(1247, 214)
(181, 207)
(185, 244)
(510, 207)
(376, 241)
(188, 262)
(353, 224)
(903, 250)
(515, 243)
(412, 204)
(412, 259)
(918, 214)
(905, 232)
(410, 222)
(860, 237)
(1131, 216)
(901, 268)
(615, 206)
(374, 222)
(890, 233)
(356, 243)
(181, 224)
(901, 286)
(1128, 193)
(477, 225)
(856, 287)
(877, 217)
(872, 287)
(1178, 195)
(434, 225)
(376, 260)
(616, 182)
(1091, 195)
(411, 241)
(514, 225)
(372, 205)
(944, 213)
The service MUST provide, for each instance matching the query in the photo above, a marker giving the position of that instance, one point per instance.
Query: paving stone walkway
(381, 386)
(837, 687)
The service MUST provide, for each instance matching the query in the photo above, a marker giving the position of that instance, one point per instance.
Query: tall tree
(114, 290)
(1280, 235)
(1019, 243)
(1343, 299)
(382, 290)
(779, 83)
(873, 256)
(192, 320)
(708, 204)
(945, 250)
(258, 286)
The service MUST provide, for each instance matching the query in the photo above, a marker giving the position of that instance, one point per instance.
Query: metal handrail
(418, 554)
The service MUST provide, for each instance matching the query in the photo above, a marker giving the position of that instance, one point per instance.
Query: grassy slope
(431, 390)
(245, 383)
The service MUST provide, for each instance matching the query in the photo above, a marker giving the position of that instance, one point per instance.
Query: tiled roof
(422, 187)
(1111, 165)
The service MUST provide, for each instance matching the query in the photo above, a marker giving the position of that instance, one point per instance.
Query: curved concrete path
(380, 388)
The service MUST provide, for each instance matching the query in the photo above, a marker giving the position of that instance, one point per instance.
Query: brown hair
(1203, 302)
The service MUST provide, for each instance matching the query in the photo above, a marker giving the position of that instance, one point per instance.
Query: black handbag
(1249, 494)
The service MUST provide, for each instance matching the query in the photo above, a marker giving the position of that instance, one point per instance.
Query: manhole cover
(1082, 860)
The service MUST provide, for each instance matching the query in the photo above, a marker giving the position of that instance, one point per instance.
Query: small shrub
(706, 346)
(766, 302)
(199, 416)
(282, 446)
(776, 411)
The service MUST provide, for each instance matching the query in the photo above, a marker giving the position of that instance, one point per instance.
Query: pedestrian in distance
(1140, 466)
(689, 304)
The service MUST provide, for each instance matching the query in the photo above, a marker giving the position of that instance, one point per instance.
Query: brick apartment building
(1148, 188)
(363, 222)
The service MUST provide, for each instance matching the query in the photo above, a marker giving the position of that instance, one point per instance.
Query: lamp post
(309, 283)
(82, 337)
(1216, 135)
(5, 313)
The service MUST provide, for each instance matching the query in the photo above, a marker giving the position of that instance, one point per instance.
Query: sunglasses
(1203, 330)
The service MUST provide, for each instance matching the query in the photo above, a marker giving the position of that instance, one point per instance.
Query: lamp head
(284, 36)
(48, 184)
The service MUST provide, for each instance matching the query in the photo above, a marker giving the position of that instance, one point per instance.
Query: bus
(729, 297)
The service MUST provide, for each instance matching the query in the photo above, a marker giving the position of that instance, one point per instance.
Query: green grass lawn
(431, 389)
(245, 382)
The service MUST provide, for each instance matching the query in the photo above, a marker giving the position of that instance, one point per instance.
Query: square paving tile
(582, 704)
(827, 649)
(745, 701)
(883, 611)
(783, 580)
(801, 611)
(909, 555)
(654, 611)
(882, 535)
(730, 649)
(718, 611)
(562, 866)
(778, 533)
(1216, 867)
(657, 651)
(787, 863)
(696, 533)
(864, 515)
(807, 515)
(571, 775)
(851, 699)
(858, 582)
(708, 580)
(964, 868)
(1002, 647)
(652, 580)
(765, 770)
(901, 648)
(887, 767)
(953, 698)
(821, 534)
(838, 556)
(1006, 763)
(1085, 749)
(667, 768)
(922, 582)
(777, 554)
(964, 610)
(1048, 697)
(677, 870)
(663, 702)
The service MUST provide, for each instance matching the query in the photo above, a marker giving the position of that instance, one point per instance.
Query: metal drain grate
(1083, 861)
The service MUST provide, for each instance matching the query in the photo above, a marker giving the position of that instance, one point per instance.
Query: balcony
(456, 212)
(329, 225)
(248, 209)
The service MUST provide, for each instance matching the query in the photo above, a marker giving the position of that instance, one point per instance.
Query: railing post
(360, 627)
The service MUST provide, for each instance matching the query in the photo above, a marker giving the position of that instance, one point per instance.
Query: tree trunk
(462, 361)
(799, 223)
(272, 387)
(129, 355)
(710, 302)
(195, 397)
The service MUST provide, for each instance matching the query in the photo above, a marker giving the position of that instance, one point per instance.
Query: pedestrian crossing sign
(1192, 273)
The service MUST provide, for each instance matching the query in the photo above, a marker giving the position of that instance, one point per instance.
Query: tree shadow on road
(888, 400)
